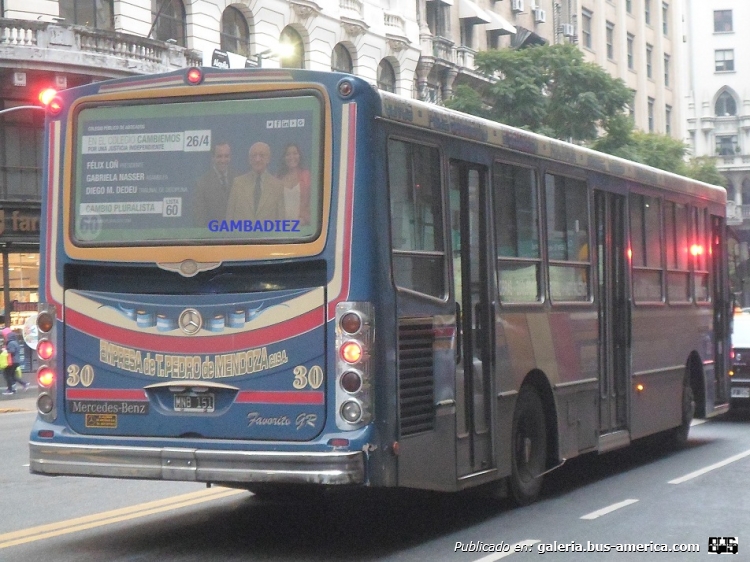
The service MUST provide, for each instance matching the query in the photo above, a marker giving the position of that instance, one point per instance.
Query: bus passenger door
(614, 313)
(468, 188)
(722, 310)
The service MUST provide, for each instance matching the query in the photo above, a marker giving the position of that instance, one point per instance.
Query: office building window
(386, 76)
(650, 115)
(665, 19)
(629, 6)
(726, 145)
(341, 60)
(586, 28)
(725, 105)
(647, 11)
(21, 147)
(668, 120)
(724, 60)
(666, 70)
(235, 34)
(296, 56)
(649, 61)
(610, 40)
(91, 13)
(631, 42)
(169, 21)
(722, 21)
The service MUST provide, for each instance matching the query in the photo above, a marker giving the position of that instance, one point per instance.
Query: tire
(529, 447)
(680, 433)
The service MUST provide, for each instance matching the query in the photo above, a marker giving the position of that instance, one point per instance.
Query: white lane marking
(702, 471)
(501, 555)
(697, 422)
(609, 509)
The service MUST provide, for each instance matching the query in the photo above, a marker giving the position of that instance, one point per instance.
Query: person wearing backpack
(13, 352)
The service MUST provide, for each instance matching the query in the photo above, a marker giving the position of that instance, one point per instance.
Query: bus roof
(451, 122)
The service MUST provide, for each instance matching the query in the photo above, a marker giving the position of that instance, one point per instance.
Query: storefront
(19, 257)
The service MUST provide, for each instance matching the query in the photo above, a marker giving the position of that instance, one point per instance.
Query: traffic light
(47, 95)
(49, 100)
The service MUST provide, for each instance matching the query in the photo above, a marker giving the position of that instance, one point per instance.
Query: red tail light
(351, 352)
(45, 377)
(45, 349)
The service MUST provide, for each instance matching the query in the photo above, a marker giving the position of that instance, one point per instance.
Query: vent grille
(416, 387)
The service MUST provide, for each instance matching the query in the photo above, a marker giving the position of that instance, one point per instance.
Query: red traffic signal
(47, 95)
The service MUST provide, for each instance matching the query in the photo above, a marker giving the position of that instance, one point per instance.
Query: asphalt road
(644, 495)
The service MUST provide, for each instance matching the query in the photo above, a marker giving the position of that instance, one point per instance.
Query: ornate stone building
(415, 48)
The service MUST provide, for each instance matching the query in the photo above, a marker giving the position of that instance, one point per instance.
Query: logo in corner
(719, 545)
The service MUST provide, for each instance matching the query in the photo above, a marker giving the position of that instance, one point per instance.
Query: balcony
(465, 57)
(53, 46)
(440, 48)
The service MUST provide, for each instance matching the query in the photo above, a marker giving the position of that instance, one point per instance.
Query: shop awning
(525, 37)
(499, 24)
(468, 10)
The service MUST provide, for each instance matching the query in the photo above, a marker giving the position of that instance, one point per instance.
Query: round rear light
(55, 107)
(351, 322)
(351, 352)
(195, 76)
(44, 322)
(345, 88)
(44, 403)
(351, 411)
(351, 381)
(45, 349)
(45, 377)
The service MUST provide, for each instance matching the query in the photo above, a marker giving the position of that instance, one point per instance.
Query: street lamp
(263, 55)
(46, 97)
(283, 50)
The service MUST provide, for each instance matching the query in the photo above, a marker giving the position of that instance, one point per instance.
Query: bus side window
(416, 217)
(516, 217)
(568, 238)
(676, 238)
(646, 245)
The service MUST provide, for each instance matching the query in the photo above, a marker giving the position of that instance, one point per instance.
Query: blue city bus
(431, 301)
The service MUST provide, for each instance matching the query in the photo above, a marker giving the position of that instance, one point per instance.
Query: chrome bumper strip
(197, 465)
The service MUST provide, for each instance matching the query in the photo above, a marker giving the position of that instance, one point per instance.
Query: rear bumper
(197, 465)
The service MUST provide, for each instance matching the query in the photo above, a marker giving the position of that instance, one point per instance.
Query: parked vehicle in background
(740, 357)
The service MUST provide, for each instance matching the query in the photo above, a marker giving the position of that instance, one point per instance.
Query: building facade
(415, 48)
(639, 41)
(717, 110)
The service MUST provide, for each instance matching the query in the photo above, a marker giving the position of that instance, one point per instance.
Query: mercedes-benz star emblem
(190, 321)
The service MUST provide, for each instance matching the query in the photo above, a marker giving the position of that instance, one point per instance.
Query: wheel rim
(527, 448)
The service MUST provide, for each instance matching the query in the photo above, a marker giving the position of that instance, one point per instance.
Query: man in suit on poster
(257, 195)
(212, 188)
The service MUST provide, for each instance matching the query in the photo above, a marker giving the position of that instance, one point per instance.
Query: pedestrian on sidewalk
(13, 352)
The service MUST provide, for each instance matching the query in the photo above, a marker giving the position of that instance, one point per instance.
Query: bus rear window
(227, 171)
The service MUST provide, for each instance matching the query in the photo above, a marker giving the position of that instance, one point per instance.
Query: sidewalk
(20, 401)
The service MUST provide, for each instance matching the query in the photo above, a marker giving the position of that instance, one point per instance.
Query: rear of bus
(183, 346)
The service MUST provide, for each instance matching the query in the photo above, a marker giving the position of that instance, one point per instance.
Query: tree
(547, 89)
(704, 168)
(659, 151)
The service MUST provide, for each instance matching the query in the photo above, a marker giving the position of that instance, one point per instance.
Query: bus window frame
(687, 272)
(508, 159)
(578, 174)
(706, 215)
(447, 296)
(198, 252)
(644, 190)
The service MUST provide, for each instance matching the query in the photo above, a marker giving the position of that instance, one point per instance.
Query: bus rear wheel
(529, 447)
(680, 433)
